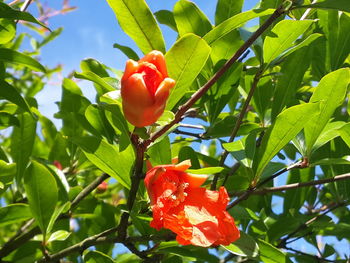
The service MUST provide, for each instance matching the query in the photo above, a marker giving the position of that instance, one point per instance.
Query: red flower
(198, 216)
(145, 89)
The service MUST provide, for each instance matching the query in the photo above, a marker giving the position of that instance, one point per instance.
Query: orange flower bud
(145, 88)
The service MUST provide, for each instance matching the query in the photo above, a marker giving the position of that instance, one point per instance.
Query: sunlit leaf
(12, 56)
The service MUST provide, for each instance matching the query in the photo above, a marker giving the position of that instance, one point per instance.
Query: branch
(196, 135)
(237, 125)
(299, 185)
(26, 234)
(283, 241)
(99, 239)
(199, 93)
(243, 196)
(319, 259)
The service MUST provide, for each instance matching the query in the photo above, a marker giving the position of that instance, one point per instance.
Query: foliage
(281, 110)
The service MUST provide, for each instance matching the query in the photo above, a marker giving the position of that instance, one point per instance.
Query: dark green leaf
(9, 93)
(97, 257)
(14, 213)
(341, 5)
(92, 65)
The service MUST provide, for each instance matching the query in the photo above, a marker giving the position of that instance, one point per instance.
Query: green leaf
(330, 92)
(226, 9)
(245, 246)
(22, 142)
(9, 93)
(7, 119)
(160, 152)
(232, 23)
(207, 170)
(7, 173)
(330, 131)
(166, 17)
(127, 51)
(270, 254)
(10, 13)
(282, 37)
(59, 235)
(190, 19)
(108, 158)
(287, 125)
(41, 198)
(184, 61)
(92, 65)
(345, 134)
(292, 73)
(7, 30)
(14, 213)
(12, 56)
(97, 257)
(88, 75)
(341, 5)
(137, 21)
(187, 153)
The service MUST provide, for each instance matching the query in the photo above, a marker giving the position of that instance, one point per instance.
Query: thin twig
(319, 259)
(298, 185)
(192, 126)
(25, 5)
(283, 241)
(237, 125)
(196, 135)
(197, 95)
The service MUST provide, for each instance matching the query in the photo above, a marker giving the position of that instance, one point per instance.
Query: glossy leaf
(59, 235)
(233, 23)
(282, 37)
(97, 257)
(7, 30)
(10, 13)
(108, 158)
(137, 21)
(41, 198)
(127, 51)
(185, 60)
(12, 56)
(270, 254)
(9, 93)
(287, 125)
(14, 213)
(341, 5)
(245, 246)
(88, 75)
(330, 92)
(22, 142)
(166, 17)
(190, 19)
(226, 9)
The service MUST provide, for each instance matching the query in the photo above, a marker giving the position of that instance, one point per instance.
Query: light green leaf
(88, 75)
(92, 65)
(7, 30)
(184, 61)
(166, 17)
(245, 246)
(41, 198)
(330, 131)
(108, 158)
(207, 170)
(12, 56)
(14, 213)
(190, 19)
(59, 235)
(232, 23)
(226, 9)
(160, 152)
(9, 93)
(22, 142)
(282, 37)
(138, 22)
(270, 254)
(287, 125)
(127, 51)
(330, 92)
(97, 257)
(341, 5)
(345, 134)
